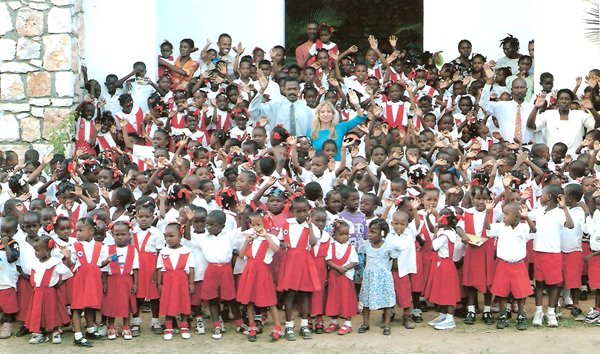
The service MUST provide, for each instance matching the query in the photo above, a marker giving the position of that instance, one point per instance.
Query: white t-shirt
(570, 132)
(549, 226)
(512, 243)
(60, 272)
(200, 263)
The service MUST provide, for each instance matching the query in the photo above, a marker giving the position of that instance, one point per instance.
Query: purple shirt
(358, 227)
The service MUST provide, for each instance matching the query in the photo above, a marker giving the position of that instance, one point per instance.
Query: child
(547, 252)
(354, 217)
(377, 290)
(443, 288)
(256, 287)
(298, 275)
(85, 131)
(166, 54)
(87, 258)
(317, 302)
(511, 277)
(46, 310)
(175, 281)
(9, 253)
(341, 295)
(119, 279)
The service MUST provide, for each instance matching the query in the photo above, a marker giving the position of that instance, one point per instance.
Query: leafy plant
(593, 19)
(61, 137)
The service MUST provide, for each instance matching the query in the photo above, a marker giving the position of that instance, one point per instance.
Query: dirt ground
(570, 337)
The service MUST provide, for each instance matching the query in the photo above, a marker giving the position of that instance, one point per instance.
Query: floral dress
(377, 289)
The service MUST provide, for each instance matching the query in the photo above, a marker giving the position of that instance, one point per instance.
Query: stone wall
(40, 79)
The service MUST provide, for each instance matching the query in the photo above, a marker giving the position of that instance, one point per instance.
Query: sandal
(363, 328)
(387, 331)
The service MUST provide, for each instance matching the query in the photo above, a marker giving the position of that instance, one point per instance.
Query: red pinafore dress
(317, 301)
(442, 286)
(425, 255)
(119, 302)
(256, 282)
(146, 280)
(298, 270)
(87, 282)
(479, 264)
(341, 295)
(46, 310)
(175, 292)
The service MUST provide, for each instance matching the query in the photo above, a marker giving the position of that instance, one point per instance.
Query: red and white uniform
(407, 264)
(572, 251)
(298, 270)
(218, 278)
(396, 114)
(443, 286)
(8, 282)
(256, 282)
(174, 265)
(27, 261)
(134, 120)
(85, 133)
(546, 245)
(319, 252)
(119, 302)
(87, 282)
(200, 264)
(147, 243)
(479, 263)
(105, 141)
(198, 136)
(341, 294)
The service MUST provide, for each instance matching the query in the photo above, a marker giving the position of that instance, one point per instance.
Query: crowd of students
(237, 185)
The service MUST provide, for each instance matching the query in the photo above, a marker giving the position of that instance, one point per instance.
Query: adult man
(312, 29)
(295, 116)
(511, 115)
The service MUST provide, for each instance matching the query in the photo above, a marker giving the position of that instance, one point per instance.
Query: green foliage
(61, 137)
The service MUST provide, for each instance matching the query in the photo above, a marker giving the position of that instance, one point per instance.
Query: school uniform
(319, 253)
(119, 302)
(443, 287)
(298, 270)
(8, 280)
(396, 114)
(425, 255)
(198, 136)
(87, 281)
(546, 245)
(147, 243)
(175, 265)
(46, 310)
(218, 279)
(256, 282)
(140, 93)
(200, 264)
(327, 180)
(85, 132)
(105, 141)
(572, 252)
(479, 263)
(511, 275)
(406, 264)
(134, 119)
(241, 135)
(78, 211)
(594, 263)
(341, 294)
(27, 261)
(65, 290)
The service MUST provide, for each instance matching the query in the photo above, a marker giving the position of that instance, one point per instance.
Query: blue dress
(377, 289)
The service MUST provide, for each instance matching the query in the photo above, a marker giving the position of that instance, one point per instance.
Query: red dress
(146, 280)
(442, 286)
(274, 223)
(87, 282)
(341, 295)
(46, 310)
(256, 283)
(317, 300)
(119, 302)
(425, 255)
(24, 294)
(479, 263)
(298, 270)
(175, 292)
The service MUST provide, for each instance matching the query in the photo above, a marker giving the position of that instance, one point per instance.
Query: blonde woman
(327, 126)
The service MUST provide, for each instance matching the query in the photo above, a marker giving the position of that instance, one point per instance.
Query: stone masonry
(40, 55)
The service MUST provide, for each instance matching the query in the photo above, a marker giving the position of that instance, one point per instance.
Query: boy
(9, 253)
(224, 44)
(111, 94)
(140, 87)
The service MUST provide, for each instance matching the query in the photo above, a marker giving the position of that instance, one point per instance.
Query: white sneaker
(168, 334)
(592, 316)
(217, 333)
(567, 300)
(38, 338)
(552, 320)
(56, 339)
(447, 323)
(538, 319)
(185, 333)
(200, 326)
(495, 307)
(441, 317)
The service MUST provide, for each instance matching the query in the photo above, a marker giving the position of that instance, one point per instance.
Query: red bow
(475, 183)
(70, 167)
(116, 172)
(183, 193)
(443, 220)
(276, 136)
(430, 186)
(51, 243)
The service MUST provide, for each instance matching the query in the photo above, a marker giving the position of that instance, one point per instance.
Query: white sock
(551, 311)
(90, 329)
(78, 335)
(487, 308)
(539, 309)
(334, 321)
(154, 321)
(584, 288)
(471, 308)
(136, 321)
(304, 322)
(289, 324)
(348, 323)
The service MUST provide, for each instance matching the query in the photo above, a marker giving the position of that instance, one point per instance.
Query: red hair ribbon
(240, 110)
(70, 167)
(276, 136)
(443, 220)
(475, 183)
(116, 172)
(430, 186)
(183, 193)
(296, 195)
(459, 217)
(51, 243)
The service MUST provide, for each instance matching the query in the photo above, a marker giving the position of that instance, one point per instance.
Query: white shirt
(506, 114)
(156, 239)
(60, 272)
(595, 231)
(407, 258)
(122, 253)
(27, 258)
(257, 243)
(478, 219)
(512, 243)
(440, 244)
(200, 263)
(8, 271)
(140, 94)
(340, 251)
(325, 237)
(569, 132)
(88, 248)
(549, 225)
(174, 254)
(112, 102)
(327, 179)
(295, 230)
(570, 239)
(217, 249)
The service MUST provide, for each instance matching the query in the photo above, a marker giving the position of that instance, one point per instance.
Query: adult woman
(510, 46)
(184, 67)
(563, 124)
(326, 124)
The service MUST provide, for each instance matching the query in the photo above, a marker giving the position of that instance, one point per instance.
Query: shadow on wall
(354, 20)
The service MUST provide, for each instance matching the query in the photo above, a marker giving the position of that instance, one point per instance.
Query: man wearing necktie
(295, 116)
(511, 115)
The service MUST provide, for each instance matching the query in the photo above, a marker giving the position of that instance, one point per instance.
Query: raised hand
(489, 204)
(540, 100)
(373, 43)
(353, 98)
(239, 49)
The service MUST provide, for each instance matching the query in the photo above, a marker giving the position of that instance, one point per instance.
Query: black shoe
(583, 295)
(470, 319)
(502, 323)
(521, 322)
(487, 318)
(82, 342)
(23, 331)
(417, 318)
(423, 306)
(94, 335)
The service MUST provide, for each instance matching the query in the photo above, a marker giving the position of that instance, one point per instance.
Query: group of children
(186, 205)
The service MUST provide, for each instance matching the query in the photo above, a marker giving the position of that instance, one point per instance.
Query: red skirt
(119, 302)
(572, 268)
(478, 267)
(275, 265)
(442, 286)
(403, 290)
(298, 272)
(585, 246)
(594, 272)
(87, 288)
(24, 294)
(146, 278)
(317, 300)
(196, 297)
(218, 282)
(417, 280)
(65, 291)
(8, 301)
(46, 311)
(256, 285)
(175, 294)
(429, 256)
(341, 296)
(511, 278)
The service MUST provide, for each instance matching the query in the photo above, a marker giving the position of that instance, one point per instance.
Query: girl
(87, 256)
(377, 290)
(442, 287)
(341, 295)
(105, 139)
(317, 304)
(256, 287)
(61, 232)
(119, 281)
(298, 275)
(46, 310)
(333, 206)
(9, 253)
(85, 131)
(396, 110)
(175, 281)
